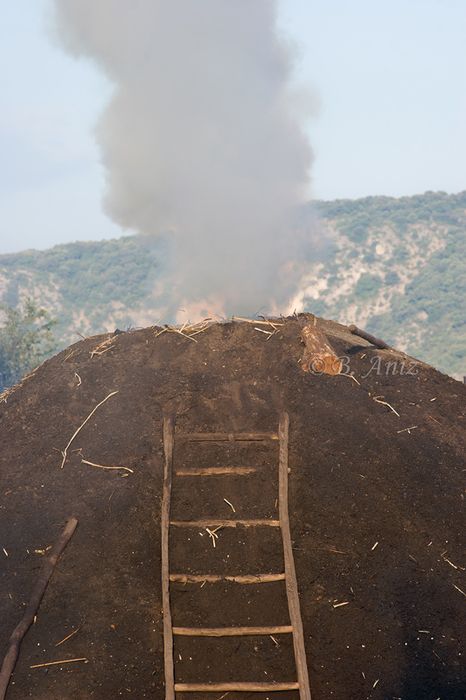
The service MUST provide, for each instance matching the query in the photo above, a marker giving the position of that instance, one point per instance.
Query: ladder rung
(231, 631)
(225, 523)
(214, 471)
(214, 578)
(226, 437)
(232, 687)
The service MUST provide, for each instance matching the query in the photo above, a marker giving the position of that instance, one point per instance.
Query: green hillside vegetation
(397, 268)
(115, 269)
(26, 339)
(425, 314)
(82, 282)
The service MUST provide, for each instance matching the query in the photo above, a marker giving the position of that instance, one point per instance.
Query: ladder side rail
(290, 571)
(168, 444)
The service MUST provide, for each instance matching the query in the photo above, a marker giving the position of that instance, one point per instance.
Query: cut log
(319, 356)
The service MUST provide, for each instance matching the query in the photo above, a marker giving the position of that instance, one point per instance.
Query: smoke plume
(202, 140)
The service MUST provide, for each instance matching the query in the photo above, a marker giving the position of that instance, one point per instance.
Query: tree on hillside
(26, 339)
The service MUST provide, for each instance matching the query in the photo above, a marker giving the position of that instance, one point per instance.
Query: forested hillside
(397, 267)
(400, 271)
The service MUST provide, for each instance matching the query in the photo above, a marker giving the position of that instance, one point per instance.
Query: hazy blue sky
(388, 78)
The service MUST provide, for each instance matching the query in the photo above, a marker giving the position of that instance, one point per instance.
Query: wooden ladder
(288, 576)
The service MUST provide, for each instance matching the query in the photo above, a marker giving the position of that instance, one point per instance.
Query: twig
(65, 451)
(65, 639)
(459, 589)
(231, 505)
(61, 661)
(350, 376)
(5, 394)
(164, 330)
(201, 330)
(455, 566)
(20, 630)
(185, 335)
(79, 379)
(70, 354)
(101, 466)
(103, 347)
(378, 399)
(333, 550)
(187, 330)
(212, 534)
(258, 323)
(269, 334)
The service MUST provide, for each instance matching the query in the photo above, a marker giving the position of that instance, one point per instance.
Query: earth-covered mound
(376, 471)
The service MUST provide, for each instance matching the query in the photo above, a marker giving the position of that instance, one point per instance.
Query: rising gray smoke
(200, 140)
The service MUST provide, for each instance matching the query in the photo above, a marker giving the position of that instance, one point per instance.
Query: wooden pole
(227, 437)
(231, 631)
(370, 338)
(224, 523)
(235, 687)
(168, 442)
(290, 571)
(20, 630)
(216, 578)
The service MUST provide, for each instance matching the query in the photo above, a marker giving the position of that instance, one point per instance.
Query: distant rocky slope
(397, 267)
(400, 271)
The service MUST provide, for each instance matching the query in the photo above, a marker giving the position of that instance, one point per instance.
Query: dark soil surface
(376, 517)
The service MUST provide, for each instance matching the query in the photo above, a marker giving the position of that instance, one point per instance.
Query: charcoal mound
(376, 472)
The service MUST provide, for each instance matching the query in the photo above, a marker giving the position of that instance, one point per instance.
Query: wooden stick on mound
(367, 336)
(78, 430)
(20, 630)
